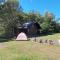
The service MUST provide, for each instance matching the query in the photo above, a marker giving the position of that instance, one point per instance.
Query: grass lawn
(52, 37)
(27, 50)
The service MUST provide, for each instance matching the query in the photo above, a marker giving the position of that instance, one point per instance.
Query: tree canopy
(10, 16)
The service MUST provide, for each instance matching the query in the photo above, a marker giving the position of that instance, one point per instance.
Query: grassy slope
(53, 37)
(27, 50)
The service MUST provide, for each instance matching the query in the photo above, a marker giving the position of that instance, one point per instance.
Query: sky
(41, 6)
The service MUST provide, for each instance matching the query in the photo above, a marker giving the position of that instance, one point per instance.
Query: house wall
(32, 30)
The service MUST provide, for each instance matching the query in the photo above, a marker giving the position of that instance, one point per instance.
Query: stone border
(47, 41)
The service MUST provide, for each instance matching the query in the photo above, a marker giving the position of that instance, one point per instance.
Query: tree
(47, 23)
(13, 4)
(9, 15)
(35, 16)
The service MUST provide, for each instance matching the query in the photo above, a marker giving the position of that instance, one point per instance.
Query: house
(30, 28)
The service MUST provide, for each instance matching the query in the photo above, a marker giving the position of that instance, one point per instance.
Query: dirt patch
(46, 41)
(2, 45)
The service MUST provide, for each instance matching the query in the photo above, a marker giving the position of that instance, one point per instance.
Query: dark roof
(37, 24)
(29, 24)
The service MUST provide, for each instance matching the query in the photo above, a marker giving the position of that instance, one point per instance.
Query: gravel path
(2, 45)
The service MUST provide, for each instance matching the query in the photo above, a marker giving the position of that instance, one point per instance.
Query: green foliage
(47, 22)
(48, 25)
(10, 15)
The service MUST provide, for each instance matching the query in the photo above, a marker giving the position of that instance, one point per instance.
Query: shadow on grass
(6, 39)
(3, 38)
(23, 40)
(39, 35)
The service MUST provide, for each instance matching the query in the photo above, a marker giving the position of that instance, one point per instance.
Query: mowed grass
(52, 37)
(27, 50)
